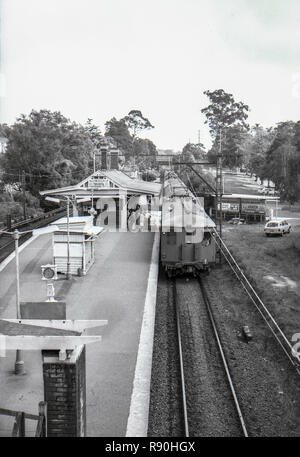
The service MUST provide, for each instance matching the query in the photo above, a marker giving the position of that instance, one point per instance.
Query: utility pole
(24, 193)
(219, 187)
(68, 239)
(199, 136)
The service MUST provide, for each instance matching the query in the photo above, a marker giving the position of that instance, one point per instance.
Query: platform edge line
(137, 423)
(11, 256)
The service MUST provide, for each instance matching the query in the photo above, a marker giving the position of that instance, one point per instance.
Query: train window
(189, 235)
(206, 239)
(190, 231)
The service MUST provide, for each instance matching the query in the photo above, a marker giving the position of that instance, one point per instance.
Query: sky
(102, 58)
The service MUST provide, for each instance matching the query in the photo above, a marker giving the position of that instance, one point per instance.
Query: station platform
(116, 288)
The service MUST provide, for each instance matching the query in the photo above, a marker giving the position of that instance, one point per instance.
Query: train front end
(187, 234)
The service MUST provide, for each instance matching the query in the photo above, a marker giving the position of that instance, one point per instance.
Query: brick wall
(65, 394)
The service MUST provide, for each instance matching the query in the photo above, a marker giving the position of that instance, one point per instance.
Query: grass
(273, 266)
(292, 208)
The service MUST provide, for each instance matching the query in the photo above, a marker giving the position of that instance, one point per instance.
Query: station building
(109, 191)
(252, 208)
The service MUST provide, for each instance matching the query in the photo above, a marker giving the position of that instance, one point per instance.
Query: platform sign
(43, 310)
(254, 208)
(229, 207)
(225, 206)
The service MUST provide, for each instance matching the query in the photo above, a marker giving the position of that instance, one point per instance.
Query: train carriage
(187, 232)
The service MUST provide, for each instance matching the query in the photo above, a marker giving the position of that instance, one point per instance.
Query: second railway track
(209, 397)
(7, 243)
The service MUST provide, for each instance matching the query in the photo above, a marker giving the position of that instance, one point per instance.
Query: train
(187, 232)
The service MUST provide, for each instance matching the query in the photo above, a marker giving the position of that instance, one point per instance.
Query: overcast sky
(102, 58)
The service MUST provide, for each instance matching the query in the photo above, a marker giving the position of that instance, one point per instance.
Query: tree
(282, 164)
(232, 146)
(50, 149)
(197, 151)
(125, 133)
(118, 130)
(149, 175)
(136, 122)
(224, 111)
(144, 151)
(254, 148)
(94, 132)
(227, 122)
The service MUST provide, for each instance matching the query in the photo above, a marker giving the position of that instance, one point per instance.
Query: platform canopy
(106, 183)
(250, 197)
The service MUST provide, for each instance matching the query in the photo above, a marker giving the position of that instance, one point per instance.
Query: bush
(291, 208)
(13, 204)
(149, 176)
(12, 208)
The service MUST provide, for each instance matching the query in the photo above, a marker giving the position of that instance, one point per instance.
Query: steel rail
(6, 244)
(38, 223)
(225, 364)
(184, 403)
(11, 242)
(242, 278)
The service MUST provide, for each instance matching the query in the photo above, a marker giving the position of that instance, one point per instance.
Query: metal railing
(32, 220)
(7, 247)
(257, 301)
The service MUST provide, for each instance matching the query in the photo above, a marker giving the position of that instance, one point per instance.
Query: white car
(270, 191)
(277, 227)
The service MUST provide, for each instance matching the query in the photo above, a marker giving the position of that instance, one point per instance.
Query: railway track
(224, 361)
(7, 243)
(273, 326)
(210, 403)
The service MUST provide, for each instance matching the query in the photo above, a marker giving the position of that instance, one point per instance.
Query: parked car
(277, 227)
(237, 221)
(261, 190)
(270, 191)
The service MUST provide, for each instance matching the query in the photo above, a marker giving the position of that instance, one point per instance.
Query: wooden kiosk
(80, 239)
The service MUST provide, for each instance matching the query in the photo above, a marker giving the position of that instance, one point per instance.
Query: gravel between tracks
(268, 388)
(165, 417)
(210, 405)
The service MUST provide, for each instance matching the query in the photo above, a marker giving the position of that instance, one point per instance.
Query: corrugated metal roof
(118, 178)
(78, 224)
(124, 181)
(80, 220)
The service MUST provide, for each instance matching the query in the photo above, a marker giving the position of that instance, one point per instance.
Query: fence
(7, 247)
(33, 220)
(19, 429)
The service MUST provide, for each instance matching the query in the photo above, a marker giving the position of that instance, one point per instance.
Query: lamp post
(219, 183)
(19, 363)
(58, 200)
(68, 239)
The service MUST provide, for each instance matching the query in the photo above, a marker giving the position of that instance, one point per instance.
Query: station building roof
(107, 183)
(248, 197)
(78, 224)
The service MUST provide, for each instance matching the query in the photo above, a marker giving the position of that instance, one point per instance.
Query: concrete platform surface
(114, 289)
